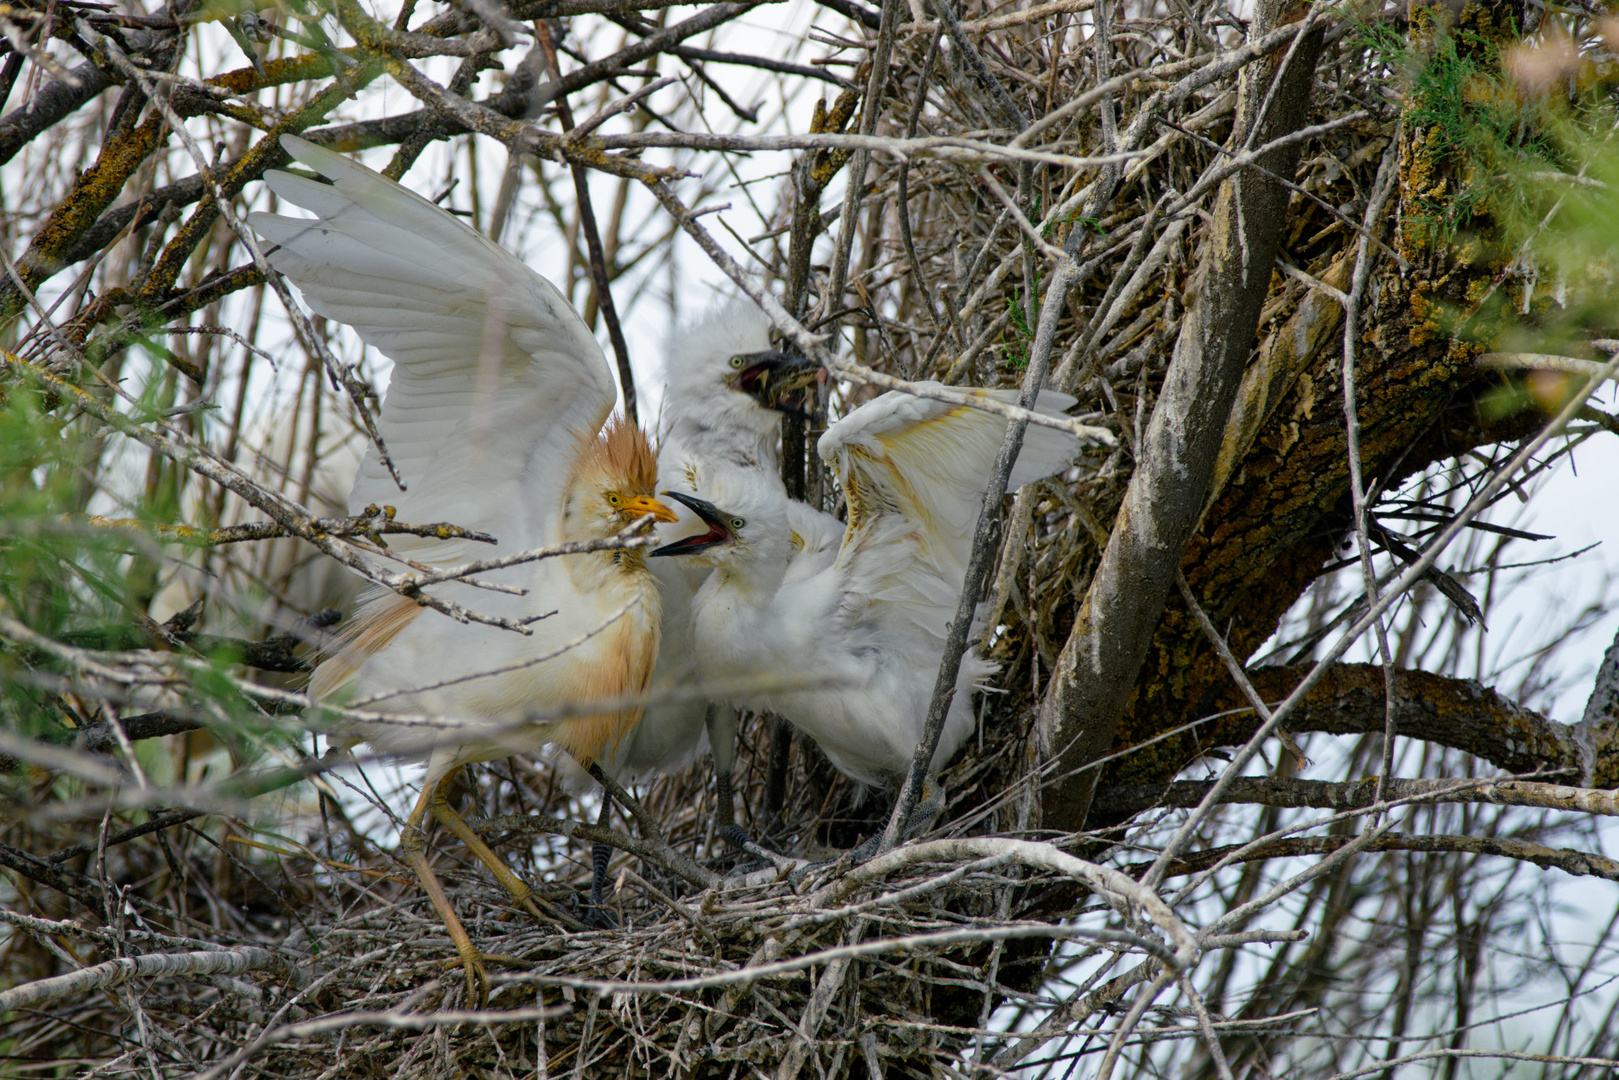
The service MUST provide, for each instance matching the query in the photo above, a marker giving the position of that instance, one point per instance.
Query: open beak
(711, 516)
(640, 505)
(780, 380)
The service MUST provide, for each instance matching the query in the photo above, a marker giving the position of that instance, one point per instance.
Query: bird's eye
(738, 523)
(738, 361)
(613, 498)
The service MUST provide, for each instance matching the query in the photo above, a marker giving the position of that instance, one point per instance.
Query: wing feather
(929, 462)
(495, 376)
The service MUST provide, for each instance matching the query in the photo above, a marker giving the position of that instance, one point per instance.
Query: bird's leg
(600, 855)
(412, 848)
(521, 894)
(725, 813)
(929, 805)
(721, 724)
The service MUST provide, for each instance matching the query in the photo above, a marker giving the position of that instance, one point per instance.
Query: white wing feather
(930, 461)
(495, 376)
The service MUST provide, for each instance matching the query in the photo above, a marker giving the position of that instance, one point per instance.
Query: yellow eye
(738, 523)
(613, 498)
(738, 361)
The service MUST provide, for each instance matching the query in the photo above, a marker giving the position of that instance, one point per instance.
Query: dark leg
(929, 805)
(598, 917)
(781, 749)
(721, 723)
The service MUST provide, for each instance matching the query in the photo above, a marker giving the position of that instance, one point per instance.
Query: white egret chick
(727, 390)
(866, 633)
(497, 418)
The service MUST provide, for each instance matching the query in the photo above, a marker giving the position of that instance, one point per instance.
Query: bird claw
(738, 837)
(477, 978)
(865, 850)
(597, 917)
(799, 875)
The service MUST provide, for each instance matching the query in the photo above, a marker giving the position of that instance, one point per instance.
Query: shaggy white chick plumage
(869, 629)
(726, 392)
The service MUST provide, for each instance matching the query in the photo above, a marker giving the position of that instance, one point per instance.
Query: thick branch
(1457, 713)
(156, 966)
(1097, 669)
(54, 101)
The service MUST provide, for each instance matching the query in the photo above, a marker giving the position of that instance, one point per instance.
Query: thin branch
(593, 240)
(984, 551)
(153, 965)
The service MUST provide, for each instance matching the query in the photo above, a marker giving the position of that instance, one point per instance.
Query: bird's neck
(753, 581)
(597, 569)
(608, 569)
(733, 624)
(719, 433)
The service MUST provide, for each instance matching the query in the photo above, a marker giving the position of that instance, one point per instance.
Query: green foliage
(53, 572)
(70, 579)
(1513, 162)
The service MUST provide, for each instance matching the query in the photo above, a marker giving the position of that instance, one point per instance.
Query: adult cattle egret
(497, 419)
(871, 626)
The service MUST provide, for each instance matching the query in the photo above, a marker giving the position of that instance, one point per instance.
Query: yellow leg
(521, 894)
(413, 848)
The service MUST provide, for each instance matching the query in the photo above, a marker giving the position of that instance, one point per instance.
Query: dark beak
(780, 380)
(711, 516)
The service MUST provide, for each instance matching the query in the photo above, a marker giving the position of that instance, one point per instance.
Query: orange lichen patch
(378, 621)
(624, 670)
(92, 193)
(620, 455)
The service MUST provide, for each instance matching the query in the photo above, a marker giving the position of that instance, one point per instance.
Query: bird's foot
(929, 805)
(738, 838)
(799, 876)
(524, 898)
(598, 917)
(476, 965)
(920, 819)
(926, 811)
(865, 850)
(477, 976)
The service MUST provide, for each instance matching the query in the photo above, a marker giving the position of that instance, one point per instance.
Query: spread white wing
(495, 376)
(929, 462)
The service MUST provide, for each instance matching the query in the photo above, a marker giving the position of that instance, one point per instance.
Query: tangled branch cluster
(986, 195)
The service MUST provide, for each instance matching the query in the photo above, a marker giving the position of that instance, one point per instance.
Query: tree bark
(1284, 505)
(1096, 671)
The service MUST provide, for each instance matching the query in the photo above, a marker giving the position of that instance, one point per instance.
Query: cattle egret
(497, 419)
(870, 628)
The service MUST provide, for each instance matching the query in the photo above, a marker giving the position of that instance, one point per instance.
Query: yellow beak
(645, 504)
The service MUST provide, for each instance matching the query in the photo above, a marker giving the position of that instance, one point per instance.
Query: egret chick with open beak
(863, 637)
(727, 390)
